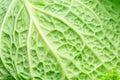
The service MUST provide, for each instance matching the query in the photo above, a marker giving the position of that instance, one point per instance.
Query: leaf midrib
(54, 52)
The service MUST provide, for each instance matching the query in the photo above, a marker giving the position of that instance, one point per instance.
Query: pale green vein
(103, 8)
(78, 16)
(62, 5)
(94, 34)
(54, 16)
(101, 25)
(46, 53)
(75, 64)
(69, 8)
(91, 12)
(29, 8)
(95, 14)
(18, 14)
(85, 23)
(65, 22)
(2, 26)
(28, 49)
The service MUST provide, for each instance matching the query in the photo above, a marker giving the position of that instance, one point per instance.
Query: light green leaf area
(4, 74)
(59, 39)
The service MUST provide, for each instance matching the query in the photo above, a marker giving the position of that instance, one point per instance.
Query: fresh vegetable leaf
(4, 74)
(112, 74)
(59, 39)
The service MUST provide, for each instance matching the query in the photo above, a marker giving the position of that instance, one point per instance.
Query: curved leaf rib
(2, 26)
(54, 53)
(64, 40)
(28, 50)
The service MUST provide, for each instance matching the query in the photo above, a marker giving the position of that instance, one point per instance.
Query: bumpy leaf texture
(59, 39)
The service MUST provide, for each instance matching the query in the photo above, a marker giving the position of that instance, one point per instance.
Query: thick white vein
(54, 52)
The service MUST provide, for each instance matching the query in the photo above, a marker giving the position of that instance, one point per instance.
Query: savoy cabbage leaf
(59, 39)
(112, 74)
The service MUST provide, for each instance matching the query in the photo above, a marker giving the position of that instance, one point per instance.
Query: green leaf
(59, 39)
(112, 74)
(4, 73)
